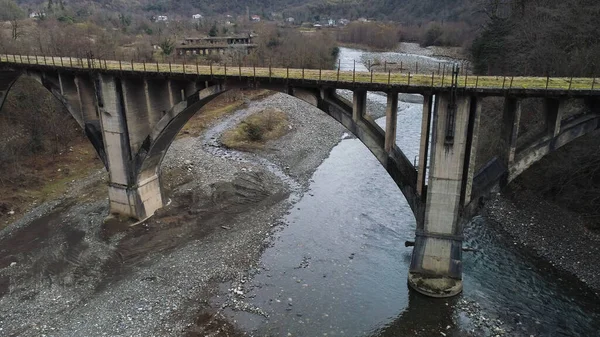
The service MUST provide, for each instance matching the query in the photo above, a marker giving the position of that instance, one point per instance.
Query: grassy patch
(219, 107)
(256, 130)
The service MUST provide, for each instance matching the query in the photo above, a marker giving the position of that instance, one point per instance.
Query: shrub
(257, 129)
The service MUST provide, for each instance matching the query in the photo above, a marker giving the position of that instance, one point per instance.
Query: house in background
(255, 18)
(197, 16)
(162, 18)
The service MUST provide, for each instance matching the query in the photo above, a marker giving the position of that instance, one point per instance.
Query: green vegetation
(256, 130)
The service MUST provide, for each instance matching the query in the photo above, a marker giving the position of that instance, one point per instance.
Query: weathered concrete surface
(436, 265)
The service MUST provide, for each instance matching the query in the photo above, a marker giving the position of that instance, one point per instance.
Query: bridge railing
(398, 78)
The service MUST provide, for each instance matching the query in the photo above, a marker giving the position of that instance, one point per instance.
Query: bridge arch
(154, 148)
(73, 96)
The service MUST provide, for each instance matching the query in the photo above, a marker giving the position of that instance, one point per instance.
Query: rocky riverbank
(550, 232)
(63, 272)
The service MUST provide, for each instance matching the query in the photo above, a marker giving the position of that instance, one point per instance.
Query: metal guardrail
(435, 79)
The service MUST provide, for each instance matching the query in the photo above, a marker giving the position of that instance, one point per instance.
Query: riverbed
(339, 266)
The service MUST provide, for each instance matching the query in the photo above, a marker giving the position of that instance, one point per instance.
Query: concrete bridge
(131, 112)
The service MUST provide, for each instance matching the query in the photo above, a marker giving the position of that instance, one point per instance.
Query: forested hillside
(540, 37)
(306, 10)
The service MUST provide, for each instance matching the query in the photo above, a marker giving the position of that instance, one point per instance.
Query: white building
(162, 18)
(35, 15)
(197, 16)
(255, 18)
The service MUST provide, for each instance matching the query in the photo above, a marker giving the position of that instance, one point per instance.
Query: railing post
(144, 65)
(197, 68)
(371, 76)
(36, 59)
(170, 68)
(338, 72)
(62, 64)
(132, 69)
(211, 72)
(71, 61)
(354, 72)
(417, 67)
(409, 78)
(254, 66)
(288, 73)
(302, 73)
(320, 71)
(20, 58)
(120, 65)
(443, 75)
(270, 74)
(593, 83)
(570, 83)
(225, 69)
(432, 78)
(157, 69)
(389, 77)
(385, 66)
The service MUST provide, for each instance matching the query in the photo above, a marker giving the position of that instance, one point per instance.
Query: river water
(339, 267)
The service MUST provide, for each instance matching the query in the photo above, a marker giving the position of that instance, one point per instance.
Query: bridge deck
(405, 82)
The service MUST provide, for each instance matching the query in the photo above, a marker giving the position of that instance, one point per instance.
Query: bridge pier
(436, 265)
(359, 105)
(124, 120)
(511, 120)
(391, 119)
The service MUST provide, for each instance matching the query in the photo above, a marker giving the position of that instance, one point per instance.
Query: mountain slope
(397, 10)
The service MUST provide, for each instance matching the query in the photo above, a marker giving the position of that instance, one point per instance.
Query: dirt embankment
(63, 272)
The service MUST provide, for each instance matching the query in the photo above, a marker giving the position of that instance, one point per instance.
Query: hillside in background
(398, 10)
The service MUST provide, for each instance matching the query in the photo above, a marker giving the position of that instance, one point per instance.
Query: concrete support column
(424, 148)
(510, 129)
(127, 196)
(436, 264)
(474, 132)
(391, 119)
(553, 116)
(359, 105)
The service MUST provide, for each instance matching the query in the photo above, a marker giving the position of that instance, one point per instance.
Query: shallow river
(340, 266)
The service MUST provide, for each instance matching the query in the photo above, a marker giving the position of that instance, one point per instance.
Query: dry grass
(46, 177)
(256, 130)
(392, 79)
(220, 107)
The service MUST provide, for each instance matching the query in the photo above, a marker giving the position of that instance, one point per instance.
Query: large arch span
(85, 98)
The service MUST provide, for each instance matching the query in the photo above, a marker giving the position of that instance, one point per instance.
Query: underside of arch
(151, 154)
(59, 87)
